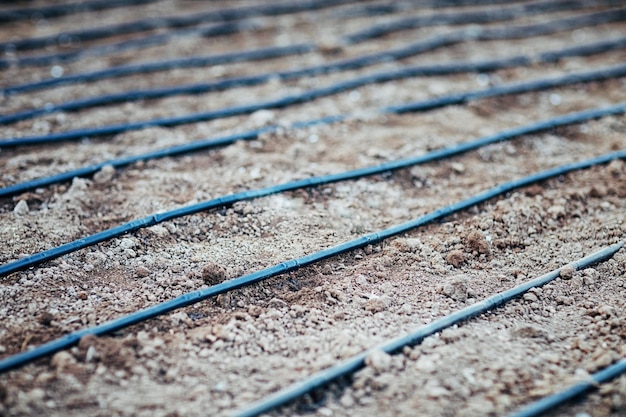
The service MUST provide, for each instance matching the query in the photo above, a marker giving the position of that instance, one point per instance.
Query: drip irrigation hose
(170, 22)
(429, 44)
(443, 69)
(356, 362)
(148, 67)
(216, 29)
(568, 119)
(475, 34)
(369, 10)
(429, 104)
(53, 253)
(60, 10)
(228, 83)
(513, 88)
(550, 402)
(584, 50)
(193, 297)
(483, 17)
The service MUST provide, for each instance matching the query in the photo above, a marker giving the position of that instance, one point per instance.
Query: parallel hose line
(552, 401)
(490, 15)
(164, 65)
(60, 10)
(194, 297)
(429, 44)
(210, 30)
(604, 73)
(359, 62)
(200, 145)
(479, 34)
(422, 46)
(230, 199)
(378, 9)
(254, 134)
(353, 364)
(171, 22)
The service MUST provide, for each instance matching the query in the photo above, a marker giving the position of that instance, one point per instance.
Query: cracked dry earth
(224, 353)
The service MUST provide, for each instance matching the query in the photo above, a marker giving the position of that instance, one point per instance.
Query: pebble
(62, 360)
(379, 361)
(477, 242)
(127, 243)
(556, 211)
(456, 288)
(567, 272)
(455, 258)
(142, 271)
(375, 305)
(213, 273)
(262, 117)
(105, 174)
(529, 296)
(21, 208)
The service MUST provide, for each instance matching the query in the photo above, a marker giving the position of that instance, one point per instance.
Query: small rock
(46, 318)
(127, 243)
(457, 167)
(456, 288)
(142, 271)
(567, 272)
(255, 311)
(213, 274)
(598, 191)
(616, 167)
(379, 361)
(159, 231)
(36, 394)
(529, 296)
(589, 276)
(406, 309)
(455, 258)
(62, 360)
(262, 118)
(477, 242)
(347, 400)
(426, 364)
(557, 211)
(21, 208)
(105, 174)
(375, 305)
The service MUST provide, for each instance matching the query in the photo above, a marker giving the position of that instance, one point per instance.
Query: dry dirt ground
(221, 354)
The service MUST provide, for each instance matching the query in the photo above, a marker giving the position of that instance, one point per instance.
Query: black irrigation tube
(550, 402)
(220, 85)
(36, 259)
(356, 362)
(216, 29)
(148, 67)
(513, 88)
(60, 10)
(478, 17)
(193, 297)
(171, 22)
(257, 79)
(422, 46)
(401, 7)
(507, 32)
(196, 146)
(522, 87)
(228, 83)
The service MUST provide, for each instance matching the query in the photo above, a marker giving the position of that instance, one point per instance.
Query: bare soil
(224, 353)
